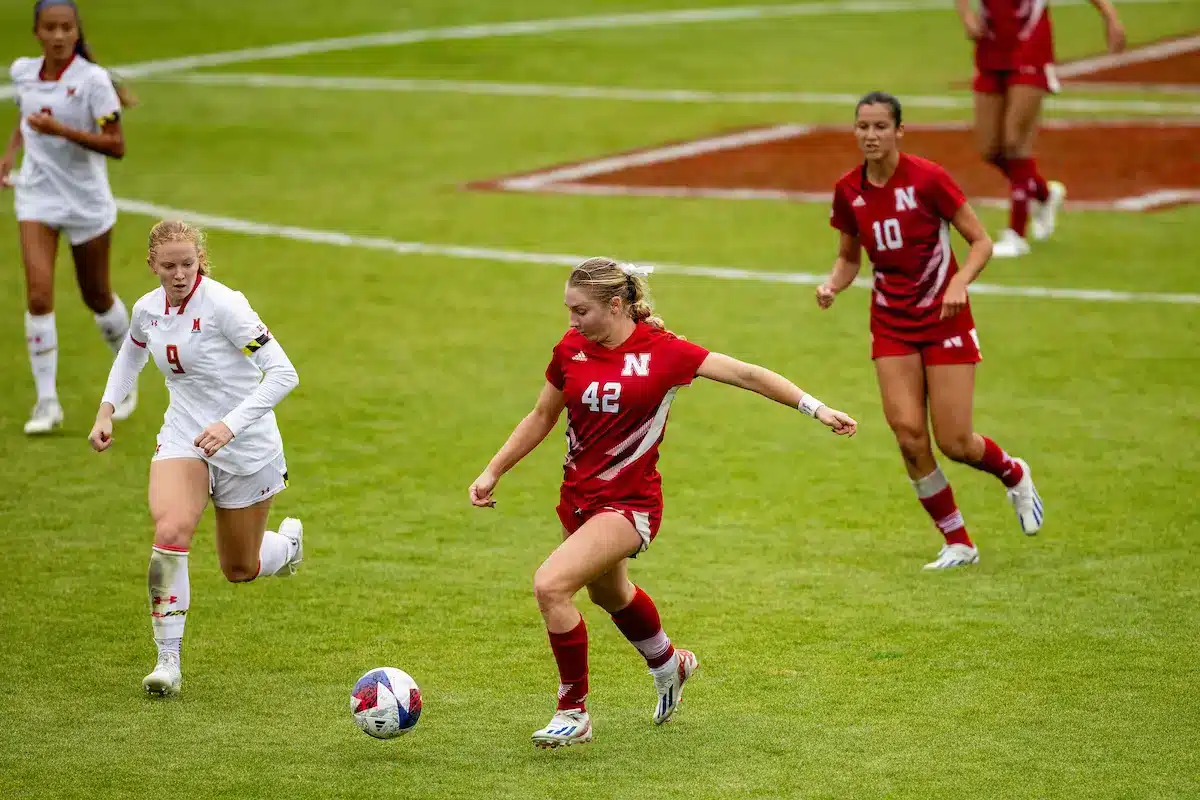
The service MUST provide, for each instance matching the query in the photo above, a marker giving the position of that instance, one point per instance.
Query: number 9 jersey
(617, 402)
(905, 228)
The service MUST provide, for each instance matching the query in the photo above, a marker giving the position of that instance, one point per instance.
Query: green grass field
(790, 561)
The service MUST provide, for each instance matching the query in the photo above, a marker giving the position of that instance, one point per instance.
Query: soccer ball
(386, 703)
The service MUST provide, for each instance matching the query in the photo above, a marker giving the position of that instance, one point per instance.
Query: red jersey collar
(42, 69)
(865, 185)
(183, 305)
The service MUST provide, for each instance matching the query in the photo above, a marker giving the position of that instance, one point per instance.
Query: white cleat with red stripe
(669, 683)
(566, 728)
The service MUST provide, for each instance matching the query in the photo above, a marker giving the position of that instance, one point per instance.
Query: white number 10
(607, 401)
(887, 236)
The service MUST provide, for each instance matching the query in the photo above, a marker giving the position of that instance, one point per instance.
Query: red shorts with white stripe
(645, 521)
(997, 81)
(954, 347)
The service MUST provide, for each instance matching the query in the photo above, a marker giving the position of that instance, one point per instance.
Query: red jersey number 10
(887, 235)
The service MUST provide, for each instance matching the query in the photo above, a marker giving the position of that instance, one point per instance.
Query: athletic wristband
(809, 405)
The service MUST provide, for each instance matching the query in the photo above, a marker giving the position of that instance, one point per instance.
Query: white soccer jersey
(203, 347)
(62, 182)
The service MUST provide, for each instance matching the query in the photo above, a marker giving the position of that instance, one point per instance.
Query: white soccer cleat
(565, 729)
(125, 408)
(293, 531)
(954, 555)
(1044, 216)
(1027, 502)
(166, 678)
(47, 415)
(1010, 245)
(670, 684)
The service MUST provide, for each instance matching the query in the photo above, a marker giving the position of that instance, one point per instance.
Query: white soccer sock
(170, 596)
(667, 667)
(275, 552)
(41, 338)
(114, 324)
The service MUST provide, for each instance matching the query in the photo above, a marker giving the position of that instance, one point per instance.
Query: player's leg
(178, 495)
(39, 246)
(902, 387)
(989, 121)
(951, 399)
(91, 253)
(1027, 187)
(245, 548)
(593, 549)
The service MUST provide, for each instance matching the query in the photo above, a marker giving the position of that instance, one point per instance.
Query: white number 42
(604, 399)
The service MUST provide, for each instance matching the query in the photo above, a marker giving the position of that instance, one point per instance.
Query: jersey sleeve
(684, 360)
(554, 370)
(944, 193)
(103, 103)
(14, 75)
(841, 215)
(137, 325)
(240, 324)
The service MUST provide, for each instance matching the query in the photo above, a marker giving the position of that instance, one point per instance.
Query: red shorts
(997, 81)
(644, 521)
(957, 348)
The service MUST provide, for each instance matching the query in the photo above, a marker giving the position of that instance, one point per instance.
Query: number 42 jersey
(617, 401)
(905, 228)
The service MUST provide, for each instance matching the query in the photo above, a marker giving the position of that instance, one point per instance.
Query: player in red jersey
(1014, 71)
(616, 372)
(923, 340)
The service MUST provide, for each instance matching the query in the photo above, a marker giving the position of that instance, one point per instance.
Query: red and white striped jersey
(617, 403)
(905, 228)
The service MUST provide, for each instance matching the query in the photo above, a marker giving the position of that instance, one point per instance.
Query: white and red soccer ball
(386, 703)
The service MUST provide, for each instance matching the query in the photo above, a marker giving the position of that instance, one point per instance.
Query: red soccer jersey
(1017, 35)
(617, 402)
(905, 228)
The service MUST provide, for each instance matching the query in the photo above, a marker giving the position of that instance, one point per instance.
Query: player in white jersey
(225, 374)
(70, 125)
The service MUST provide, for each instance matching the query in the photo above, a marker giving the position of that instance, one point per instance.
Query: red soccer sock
(571, 653)
(1026, 171)
(999, 162)
(999, 463)
(641, 625)
(937, 497)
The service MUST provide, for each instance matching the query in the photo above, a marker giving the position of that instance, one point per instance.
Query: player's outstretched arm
(110, 141)
(775, 387)
(845, 270)
(1114, 31)
(9, 159)
(528, 434)
(128, 364)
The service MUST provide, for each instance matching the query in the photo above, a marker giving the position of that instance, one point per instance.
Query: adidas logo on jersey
(859, 202)
(580, 356)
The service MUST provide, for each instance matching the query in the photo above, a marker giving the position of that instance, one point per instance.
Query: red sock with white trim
(937, 497)
(571, 654)
(997, 462)
(640, 623)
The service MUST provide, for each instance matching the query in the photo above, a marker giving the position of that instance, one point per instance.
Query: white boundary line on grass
(1138, 55)
(337, 239)
(565, 179)
(536, 27)
(498, 89)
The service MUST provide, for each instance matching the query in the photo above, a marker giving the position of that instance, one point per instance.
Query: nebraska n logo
(637, 365)
(905, 201)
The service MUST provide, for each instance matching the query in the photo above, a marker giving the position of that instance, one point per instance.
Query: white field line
(694, 96)
(1142, 202)
(565, 179)
(337, 239)
(1138, 55)
(537, 27)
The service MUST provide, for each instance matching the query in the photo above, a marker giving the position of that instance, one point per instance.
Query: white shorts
(226, 489)
(77, 228)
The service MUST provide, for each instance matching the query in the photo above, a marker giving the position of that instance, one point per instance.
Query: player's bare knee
(97, 300)
(172, 532)
(239, 573)
(913, 441)
(548, 589)
(40, 302)
(955, 447)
